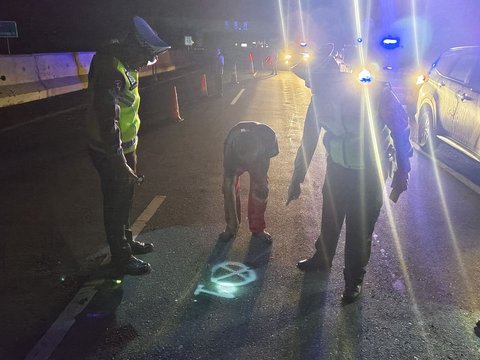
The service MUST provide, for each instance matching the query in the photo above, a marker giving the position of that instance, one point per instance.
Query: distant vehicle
(295, 54)
(448, 105)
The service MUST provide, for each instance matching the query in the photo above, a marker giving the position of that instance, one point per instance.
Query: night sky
(55, 26)
(84, 25)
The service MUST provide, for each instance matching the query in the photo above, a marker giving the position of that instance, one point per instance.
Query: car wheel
(426, 134)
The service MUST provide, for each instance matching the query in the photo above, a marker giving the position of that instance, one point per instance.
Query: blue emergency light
(390, 42)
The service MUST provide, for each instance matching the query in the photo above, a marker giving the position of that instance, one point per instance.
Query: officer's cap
(147, 37)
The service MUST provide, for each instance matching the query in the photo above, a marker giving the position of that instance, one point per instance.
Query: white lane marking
(55, 334)
(43, 117)
(146, 215)
(468, 183)
(234, 101)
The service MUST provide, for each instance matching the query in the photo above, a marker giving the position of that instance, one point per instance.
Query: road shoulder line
(45, 347)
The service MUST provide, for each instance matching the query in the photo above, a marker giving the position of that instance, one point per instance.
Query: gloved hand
(124, 170)
(228, 234)
(294, 191)
(399, 184)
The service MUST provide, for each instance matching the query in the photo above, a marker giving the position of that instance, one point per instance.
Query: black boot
(138, 247)
(351, 294)
(133, 266)
(315, 263)
(353, 287)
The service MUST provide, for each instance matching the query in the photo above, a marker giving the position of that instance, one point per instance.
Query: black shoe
(263, 236)
(140, 247)
(133, 266)
(312, 264)
(351, 294)
(477, 329)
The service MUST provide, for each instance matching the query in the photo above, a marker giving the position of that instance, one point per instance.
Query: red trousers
(257, 197)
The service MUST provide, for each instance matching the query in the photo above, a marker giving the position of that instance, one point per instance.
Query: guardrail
(25, 78)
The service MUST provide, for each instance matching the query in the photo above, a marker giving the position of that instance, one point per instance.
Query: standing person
(365, 127)
(248, 147)
(274, 60)
(112, 126)
(219, 65)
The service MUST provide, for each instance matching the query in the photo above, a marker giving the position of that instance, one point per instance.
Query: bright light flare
(421, 79)
(372, 121)
(415, 32)
(365, 76)
(282, 22)
(473, 297)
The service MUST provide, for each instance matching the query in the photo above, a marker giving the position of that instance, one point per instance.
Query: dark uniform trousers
(118, 191)
(356, 197)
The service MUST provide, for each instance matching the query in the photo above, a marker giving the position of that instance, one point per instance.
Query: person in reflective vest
(249, 146)
(365, 128)
(112, 128)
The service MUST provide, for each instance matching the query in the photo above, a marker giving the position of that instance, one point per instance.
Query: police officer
(219, 67)
(112, 126)
(365, 128)
(248, 147)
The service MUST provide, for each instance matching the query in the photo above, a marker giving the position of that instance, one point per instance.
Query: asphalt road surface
(421, 294)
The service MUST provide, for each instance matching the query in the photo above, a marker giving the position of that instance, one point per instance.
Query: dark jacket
(364, 123)
(103, 111)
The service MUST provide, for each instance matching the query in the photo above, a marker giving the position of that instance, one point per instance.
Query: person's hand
(294, 191)
(227, 235)
(124, 170)
(399, 184)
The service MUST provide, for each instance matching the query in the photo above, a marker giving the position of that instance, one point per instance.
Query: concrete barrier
(19, 80)
(25, 78)
(59, 73)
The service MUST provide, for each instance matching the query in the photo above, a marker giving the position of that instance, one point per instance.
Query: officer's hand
(399, 184)
(132, 176)
(294, 191)
(124, 170)
(229, 233)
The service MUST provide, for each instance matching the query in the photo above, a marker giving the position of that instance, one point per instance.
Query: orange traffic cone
(174, 110)
(203, 85)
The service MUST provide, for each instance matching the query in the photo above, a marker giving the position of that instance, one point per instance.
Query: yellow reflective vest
(129, 102)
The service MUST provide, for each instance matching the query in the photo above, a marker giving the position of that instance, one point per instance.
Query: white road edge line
(472, 186)
(146, 215)
(43, 117)
(234, 101)
(55, 334)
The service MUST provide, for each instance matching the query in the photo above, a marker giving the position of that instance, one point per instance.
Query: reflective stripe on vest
(129, 101)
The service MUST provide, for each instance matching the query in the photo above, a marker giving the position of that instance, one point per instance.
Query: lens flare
(372, 121)
(415, 32)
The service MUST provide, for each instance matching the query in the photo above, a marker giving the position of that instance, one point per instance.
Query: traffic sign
(188, 40)
(8, 29)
